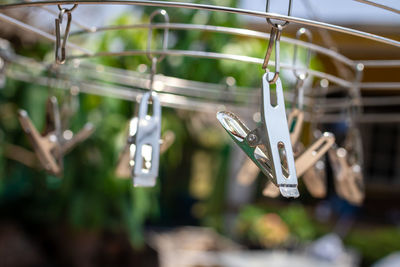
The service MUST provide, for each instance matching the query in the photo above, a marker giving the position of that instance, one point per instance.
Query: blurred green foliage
(294, 216)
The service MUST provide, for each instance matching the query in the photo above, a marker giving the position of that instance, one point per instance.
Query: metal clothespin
(268, 146)
(145, 129)
(126, 162)
(60, 53)
(146, 142)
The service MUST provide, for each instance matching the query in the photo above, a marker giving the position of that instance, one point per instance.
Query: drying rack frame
(352, 64)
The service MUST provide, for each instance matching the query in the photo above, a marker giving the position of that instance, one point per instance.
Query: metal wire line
(388, 8)
(302, 21)
(200, 54)
(89, 72)
(227, 30)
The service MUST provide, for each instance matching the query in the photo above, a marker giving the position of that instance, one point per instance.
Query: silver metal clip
(126, 160)
(145, 154)
(60, 45)
(268, 146)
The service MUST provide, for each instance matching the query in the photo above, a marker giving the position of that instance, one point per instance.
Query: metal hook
(274, 38)
(308, 34)
(152, 73)
(60, 46)
(166, 32)
(275, 25)
(300, 77)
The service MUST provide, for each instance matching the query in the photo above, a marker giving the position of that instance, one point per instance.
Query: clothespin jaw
(147, 142)
(268, 146)
(242, 136)
(295, 122)
(315, 180)
(46, 147)
(68, 145)
(314, 153)
(349, 182)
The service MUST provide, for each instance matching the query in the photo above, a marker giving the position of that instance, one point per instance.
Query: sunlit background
(204, 210)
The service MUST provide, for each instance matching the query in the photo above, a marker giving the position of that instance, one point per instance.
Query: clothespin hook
(60, 45)
(155, 60)
(301, 76)
(274, 38)
(275, 25)
(149, 37)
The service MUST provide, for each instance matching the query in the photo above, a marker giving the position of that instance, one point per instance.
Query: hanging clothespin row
(61, 41)
(268, 145)
(145, 128)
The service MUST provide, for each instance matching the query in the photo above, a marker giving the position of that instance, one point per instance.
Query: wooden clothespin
(52, 145)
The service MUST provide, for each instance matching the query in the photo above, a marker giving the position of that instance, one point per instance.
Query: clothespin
(145, 130)
(53, 144)
(268, 146)
(126, 162)
(347, 161)
(309, 164)
(349, 182)
(295, 122)
(144, 143)
(304, 163)
(46, 147)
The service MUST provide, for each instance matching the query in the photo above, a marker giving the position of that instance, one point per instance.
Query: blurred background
(198, 214)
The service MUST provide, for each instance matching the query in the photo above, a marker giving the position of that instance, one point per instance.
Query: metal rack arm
(232, 10)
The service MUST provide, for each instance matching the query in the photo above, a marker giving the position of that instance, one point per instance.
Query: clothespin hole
(142, 68)
(68, 134)
(272, 94)
(257, 117)
(283, 159)
(147, 151)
